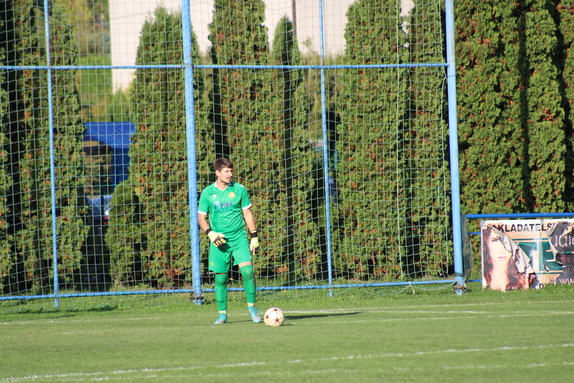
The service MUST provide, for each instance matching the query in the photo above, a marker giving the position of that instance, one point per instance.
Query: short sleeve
(203, 207)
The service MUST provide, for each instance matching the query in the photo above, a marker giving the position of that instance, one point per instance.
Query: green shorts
(220, 257)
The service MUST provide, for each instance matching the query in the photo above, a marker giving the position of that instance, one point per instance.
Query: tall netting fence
(334, 114)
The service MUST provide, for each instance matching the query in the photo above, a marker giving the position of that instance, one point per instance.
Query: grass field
(358, 335)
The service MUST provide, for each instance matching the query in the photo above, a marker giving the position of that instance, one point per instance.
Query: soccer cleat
(254, 314)
(221, 319)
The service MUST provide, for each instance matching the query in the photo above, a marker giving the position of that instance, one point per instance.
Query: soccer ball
(274, 317)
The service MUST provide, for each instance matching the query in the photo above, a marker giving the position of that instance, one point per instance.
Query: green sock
(248, 284)
(221, 291)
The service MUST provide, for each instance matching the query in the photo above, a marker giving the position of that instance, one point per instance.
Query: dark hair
(221, 163)
(515, 278)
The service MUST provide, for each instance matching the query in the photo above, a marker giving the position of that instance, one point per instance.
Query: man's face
(224, 175)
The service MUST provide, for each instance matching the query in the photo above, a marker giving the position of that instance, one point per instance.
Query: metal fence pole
(453, 141)
(52, 154)
(325, 149)
(191, 152)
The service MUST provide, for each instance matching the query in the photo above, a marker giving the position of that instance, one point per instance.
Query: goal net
(333, 113)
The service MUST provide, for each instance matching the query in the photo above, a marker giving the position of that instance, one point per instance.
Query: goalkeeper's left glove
(254, 244)
(216, 238)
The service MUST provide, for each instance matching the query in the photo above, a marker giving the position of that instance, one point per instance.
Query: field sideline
(366, 335)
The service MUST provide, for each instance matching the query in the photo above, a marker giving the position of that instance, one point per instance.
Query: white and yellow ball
(274, 317)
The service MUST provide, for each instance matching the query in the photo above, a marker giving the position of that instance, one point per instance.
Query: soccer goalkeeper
(228, 206)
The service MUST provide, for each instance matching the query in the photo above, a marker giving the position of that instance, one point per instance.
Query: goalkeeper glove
(217, 239)
(254, 244)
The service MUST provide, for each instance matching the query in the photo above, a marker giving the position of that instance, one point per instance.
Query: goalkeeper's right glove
(217, 239)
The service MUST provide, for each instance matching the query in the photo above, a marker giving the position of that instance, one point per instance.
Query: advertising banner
(522, 254)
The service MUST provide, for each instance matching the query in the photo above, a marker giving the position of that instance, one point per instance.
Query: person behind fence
(505, 265)
(227, 206)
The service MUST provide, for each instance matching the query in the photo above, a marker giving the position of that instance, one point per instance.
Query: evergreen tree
(248, 129)
(303, 251)
(372, 206)
(29, 128)
(68, 137)
(6, 256)
(566, 23)
(491, 134)
(512, 129)
(543, 113)
(149, 226)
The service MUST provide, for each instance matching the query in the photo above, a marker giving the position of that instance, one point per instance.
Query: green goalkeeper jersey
(225, 208)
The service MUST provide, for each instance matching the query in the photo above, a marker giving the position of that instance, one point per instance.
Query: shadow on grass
(317, 315)
(291, 318)
(20, 308)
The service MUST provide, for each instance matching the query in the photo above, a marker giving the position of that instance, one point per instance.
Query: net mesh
(333, 114)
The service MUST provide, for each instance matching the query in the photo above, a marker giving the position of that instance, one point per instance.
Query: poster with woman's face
(522, 254)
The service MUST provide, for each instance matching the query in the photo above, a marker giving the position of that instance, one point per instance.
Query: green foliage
(544, 115)
(302, 258)
(566, 54)
(88, 19)
(29, 129)
(6, 256)
(372, 214)
(68, 135)
(124, 236)
(492, 138)
(512, 127)
(158, 154)
(158, 167)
